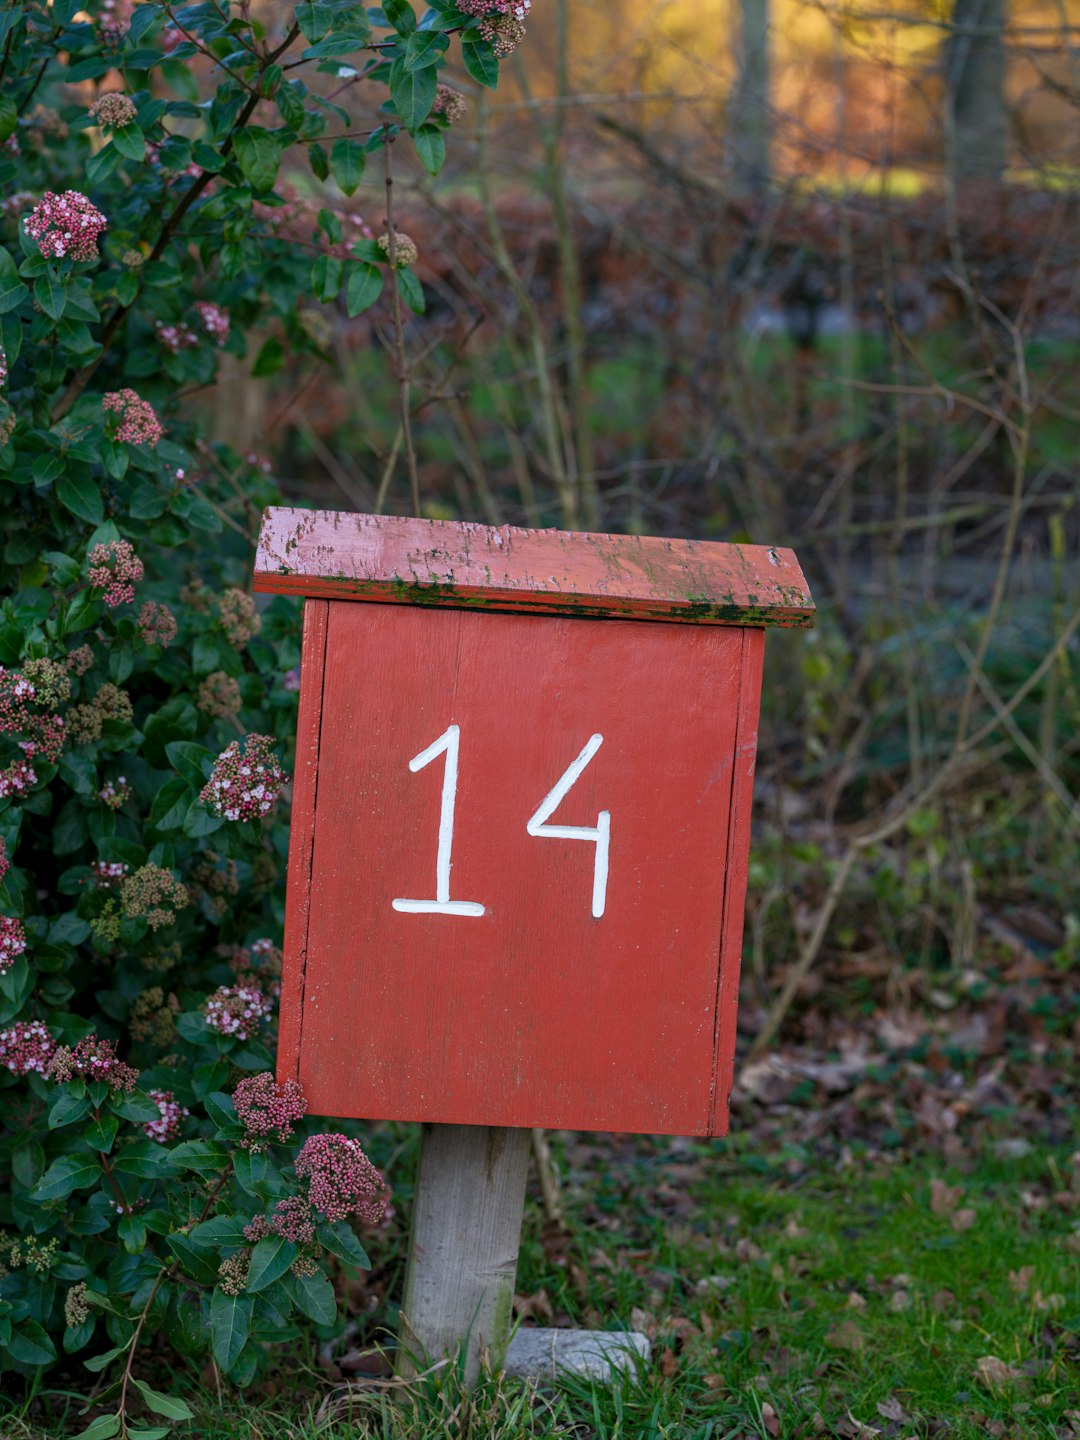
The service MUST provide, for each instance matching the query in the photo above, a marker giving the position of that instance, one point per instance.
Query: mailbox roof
(338, 555)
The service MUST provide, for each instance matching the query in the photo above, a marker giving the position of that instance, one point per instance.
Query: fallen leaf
(944, 1198)
(1020, 1280)
(963, 1220)
(846, 1336)
(891, 1409)
(534, 1307)
(668, 1364)
(995, 1374)
(899, 1301)
(715, 1382)
(856, 1301)
(770, 1419)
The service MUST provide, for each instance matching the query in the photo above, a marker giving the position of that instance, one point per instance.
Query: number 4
(599, 834)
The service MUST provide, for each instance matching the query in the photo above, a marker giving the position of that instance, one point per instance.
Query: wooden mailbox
(520, 835)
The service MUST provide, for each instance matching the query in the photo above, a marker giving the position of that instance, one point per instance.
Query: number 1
(449, 741)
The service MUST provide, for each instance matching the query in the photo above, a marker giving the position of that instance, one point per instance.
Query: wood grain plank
(736, 870)
(302, 839)
(404, 561)
(463, 1247)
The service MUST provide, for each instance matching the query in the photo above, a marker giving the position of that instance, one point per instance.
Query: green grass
(765, 1279)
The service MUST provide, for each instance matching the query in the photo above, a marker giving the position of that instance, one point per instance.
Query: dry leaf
(710, 1283)
(746, 1250)
(963, 1220)
(715, 1382)
(942, 1300)
(995, 1374)
(891, 1409)
(944, 1198)
(534, 1307)
(668, 1364)
(856, 1301)
(770, 1419)
(900, 1300)
(1020, 1280)
(846, 1336)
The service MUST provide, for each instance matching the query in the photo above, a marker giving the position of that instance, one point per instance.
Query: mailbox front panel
(518, 868)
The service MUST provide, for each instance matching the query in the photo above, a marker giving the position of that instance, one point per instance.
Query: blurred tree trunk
(749, 119)
(975, 118)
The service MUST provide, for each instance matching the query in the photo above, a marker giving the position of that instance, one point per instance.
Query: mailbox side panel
(735, 877)
(302, 837)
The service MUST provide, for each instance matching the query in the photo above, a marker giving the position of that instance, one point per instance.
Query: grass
(783, 1298)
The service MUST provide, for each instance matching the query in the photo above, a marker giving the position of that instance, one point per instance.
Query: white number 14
(600, 833)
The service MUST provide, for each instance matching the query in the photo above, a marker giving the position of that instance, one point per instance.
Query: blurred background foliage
(777, 272)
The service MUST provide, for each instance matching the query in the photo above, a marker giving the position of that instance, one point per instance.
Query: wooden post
(463, 1249)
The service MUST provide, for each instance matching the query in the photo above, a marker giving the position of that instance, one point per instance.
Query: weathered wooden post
(518, 861)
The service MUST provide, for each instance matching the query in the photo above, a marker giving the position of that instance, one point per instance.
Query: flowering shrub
(148, 225)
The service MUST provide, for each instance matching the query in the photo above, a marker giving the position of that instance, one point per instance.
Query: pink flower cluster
(116, 569)
(114, 794)
(176, 337)
(214, 319)
(449, 103)
(16, 779)
(66, 225)
(237, 1010)
(341, 1179)
(93, 1059)
(42, 734)
(156, 624)
(267, 1110)
(293, 1219)
(5, 863)
(26, 1046)
(246, 779)
(107, 874)
(139, 424)
(3, 366)
(167, 1127)
(12, 941)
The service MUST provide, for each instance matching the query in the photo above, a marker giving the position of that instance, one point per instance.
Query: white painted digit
(449, 741)
(599, 834)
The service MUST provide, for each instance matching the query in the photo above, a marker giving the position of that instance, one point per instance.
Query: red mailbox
(521, 818)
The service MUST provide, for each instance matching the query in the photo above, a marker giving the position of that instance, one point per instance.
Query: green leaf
(290, 104)
(205, 1156)
(318, 160)
(138, 1107)
(258, 154)
(326, 277)
(220, 1108)
(68, 1173)
(155, 1432)
(227, 1230)
(130, 142)
(347, 163)
(9, 117)
(97, 1363)
(412, 292)
(270, 358)
(199, 1264)
(167, 1405)
(103, 1428)
(314, 20)
(67, 1108)
(171, 805)
(101, 1133)
(340, 1239)
(12, 292)
(363, 287)
(189, 761)
(413, 92)
(251, 1170)
(132, 1232)
(270, 1260)
(80, 494)
(480, 60)
(314, 1297)
(100, 166)
(230, 1325)
(49, 294)
(425, 47)
(30, 1345)
(401, 15)
(430, 145)
(142, 18)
